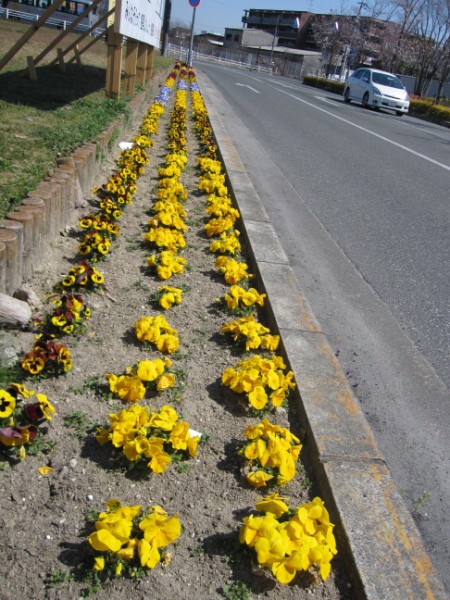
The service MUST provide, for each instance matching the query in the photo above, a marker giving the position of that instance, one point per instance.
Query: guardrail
(16, 15)
(181, 53)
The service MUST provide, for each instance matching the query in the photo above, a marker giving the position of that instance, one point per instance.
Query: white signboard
(140, 20)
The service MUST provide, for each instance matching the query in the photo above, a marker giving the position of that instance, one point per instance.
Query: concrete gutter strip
(376, 534)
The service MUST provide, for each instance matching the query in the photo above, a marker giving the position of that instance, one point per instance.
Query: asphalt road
(360, 201)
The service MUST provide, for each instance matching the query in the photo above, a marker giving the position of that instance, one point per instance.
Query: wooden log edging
(28, 230)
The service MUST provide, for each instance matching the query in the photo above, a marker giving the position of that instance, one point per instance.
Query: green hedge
(425, 108)
(326, 84)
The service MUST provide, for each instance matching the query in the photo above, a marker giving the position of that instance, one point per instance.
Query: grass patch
(45, 120)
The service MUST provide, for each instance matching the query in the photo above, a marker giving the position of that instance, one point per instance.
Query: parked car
(377, 89)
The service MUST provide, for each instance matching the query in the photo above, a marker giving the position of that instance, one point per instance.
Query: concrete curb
(380, 543)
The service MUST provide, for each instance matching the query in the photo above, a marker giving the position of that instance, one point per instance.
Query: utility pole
(273, 41)
(165, 27)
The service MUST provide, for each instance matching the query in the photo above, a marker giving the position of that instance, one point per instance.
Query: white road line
(335, 104)
(249, 87)
(422, 129)
(377, 135)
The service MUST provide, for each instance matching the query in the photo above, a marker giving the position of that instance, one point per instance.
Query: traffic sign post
(193, 3)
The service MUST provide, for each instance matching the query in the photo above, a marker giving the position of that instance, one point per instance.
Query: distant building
(264, 49)
(209, 37)
(238, 38)
(179, 36)
(289, 26)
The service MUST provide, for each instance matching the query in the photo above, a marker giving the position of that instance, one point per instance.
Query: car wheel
(365, 100)
(347, 95)
(399, 113)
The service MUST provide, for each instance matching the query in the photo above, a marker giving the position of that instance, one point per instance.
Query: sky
(214, 15)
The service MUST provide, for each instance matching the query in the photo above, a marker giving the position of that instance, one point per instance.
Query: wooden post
(70, 28)
(62, 66)
(84, 35)
(149, 65)
(11, 262)
(77, 55)
(130, 67)
(29, 33)
(114, 64)
(2, 267)
(31, 69)
(27, 220)
(17, 228)
(141, 64)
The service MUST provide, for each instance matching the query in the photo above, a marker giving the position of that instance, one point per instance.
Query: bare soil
(45, 520)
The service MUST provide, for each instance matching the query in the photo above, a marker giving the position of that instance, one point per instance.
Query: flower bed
(206, 489)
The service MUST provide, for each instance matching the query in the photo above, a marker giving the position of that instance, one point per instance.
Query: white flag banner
(140, 20)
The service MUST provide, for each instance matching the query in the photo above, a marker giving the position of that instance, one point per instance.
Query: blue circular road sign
(194, 3)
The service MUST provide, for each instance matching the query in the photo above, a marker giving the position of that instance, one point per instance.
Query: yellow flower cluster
(213, 183)
(172, 170)
(202, 125)
(261, 379)
(67, 317)
(271, 454)
(254, 333)
(131, 164)
(82, 276)
(167, 264)
(228, 243)
(170, 204)
(219, 225)
(167, 296)
(285, 541)
(143, 140)
(171, 188)
(180, 160)
(134, 385)
(238, 298)
(150, 125)
(102, 222)
(94, 246)
(101, 226)
(47, 356)
(164, 237)
(19, 425)
(221, 207)
(157, 331)
(168, 217)
(209, 165)
(128, 538)
(167, 224)
(292, 545)
(177, 139)
(153, 437)
(232, 270)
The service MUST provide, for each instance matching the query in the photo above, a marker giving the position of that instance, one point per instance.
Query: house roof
(286, 50)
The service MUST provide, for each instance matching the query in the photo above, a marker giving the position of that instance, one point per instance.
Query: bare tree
(432, 31)
(332, 33)
(443, 73)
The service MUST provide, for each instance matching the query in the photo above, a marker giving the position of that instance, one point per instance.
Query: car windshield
(387, 80)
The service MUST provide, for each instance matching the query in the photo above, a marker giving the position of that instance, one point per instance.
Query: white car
(377, 89)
